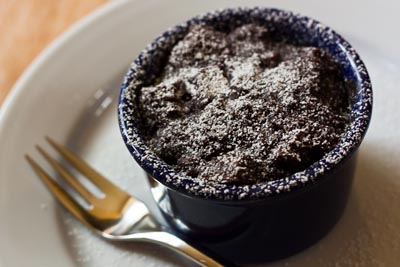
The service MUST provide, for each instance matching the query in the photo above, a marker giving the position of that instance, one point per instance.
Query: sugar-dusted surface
(146, 68)
(240, 108)
(367, 235)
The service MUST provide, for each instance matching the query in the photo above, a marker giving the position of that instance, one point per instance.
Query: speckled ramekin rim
(307, 28)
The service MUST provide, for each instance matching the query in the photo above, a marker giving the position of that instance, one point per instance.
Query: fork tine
(99, 180)
(66, 200)
(86, 194)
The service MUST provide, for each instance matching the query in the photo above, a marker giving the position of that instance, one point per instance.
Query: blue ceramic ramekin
(266, 221)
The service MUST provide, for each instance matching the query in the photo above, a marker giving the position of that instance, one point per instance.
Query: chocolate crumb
(240, 108)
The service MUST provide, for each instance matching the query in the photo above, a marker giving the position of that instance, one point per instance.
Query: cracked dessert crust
(240, 108)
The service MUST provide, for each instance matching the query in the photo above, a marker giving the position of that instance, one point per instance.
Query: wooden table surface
(28, 26)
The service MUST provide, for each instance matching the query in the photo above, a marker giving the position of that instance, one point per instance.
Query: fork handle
(180, 246)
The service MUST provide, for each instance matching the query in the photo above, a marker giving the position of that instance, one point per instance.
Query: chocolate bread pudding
(240, 108)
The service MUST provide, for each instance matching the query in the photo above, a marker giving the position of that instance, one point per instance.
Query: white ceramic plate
(69, 93)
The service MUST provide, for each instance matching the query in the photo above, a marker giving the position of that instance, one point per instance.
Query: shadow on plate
(368, 232)
(366, 235)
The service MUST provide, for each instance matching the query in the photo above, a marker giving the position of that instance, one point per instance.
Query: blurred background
(28, 26)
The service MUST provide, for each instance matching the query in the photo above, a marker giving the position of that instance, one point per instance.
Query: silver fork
(116, 216)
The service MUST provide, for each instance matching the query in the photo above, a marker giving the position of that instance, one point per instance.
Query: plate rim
(18, 89)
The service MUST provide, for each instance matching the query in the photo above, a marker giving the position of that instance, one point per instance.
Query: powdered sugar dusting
(145, 70)
(240, 108)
